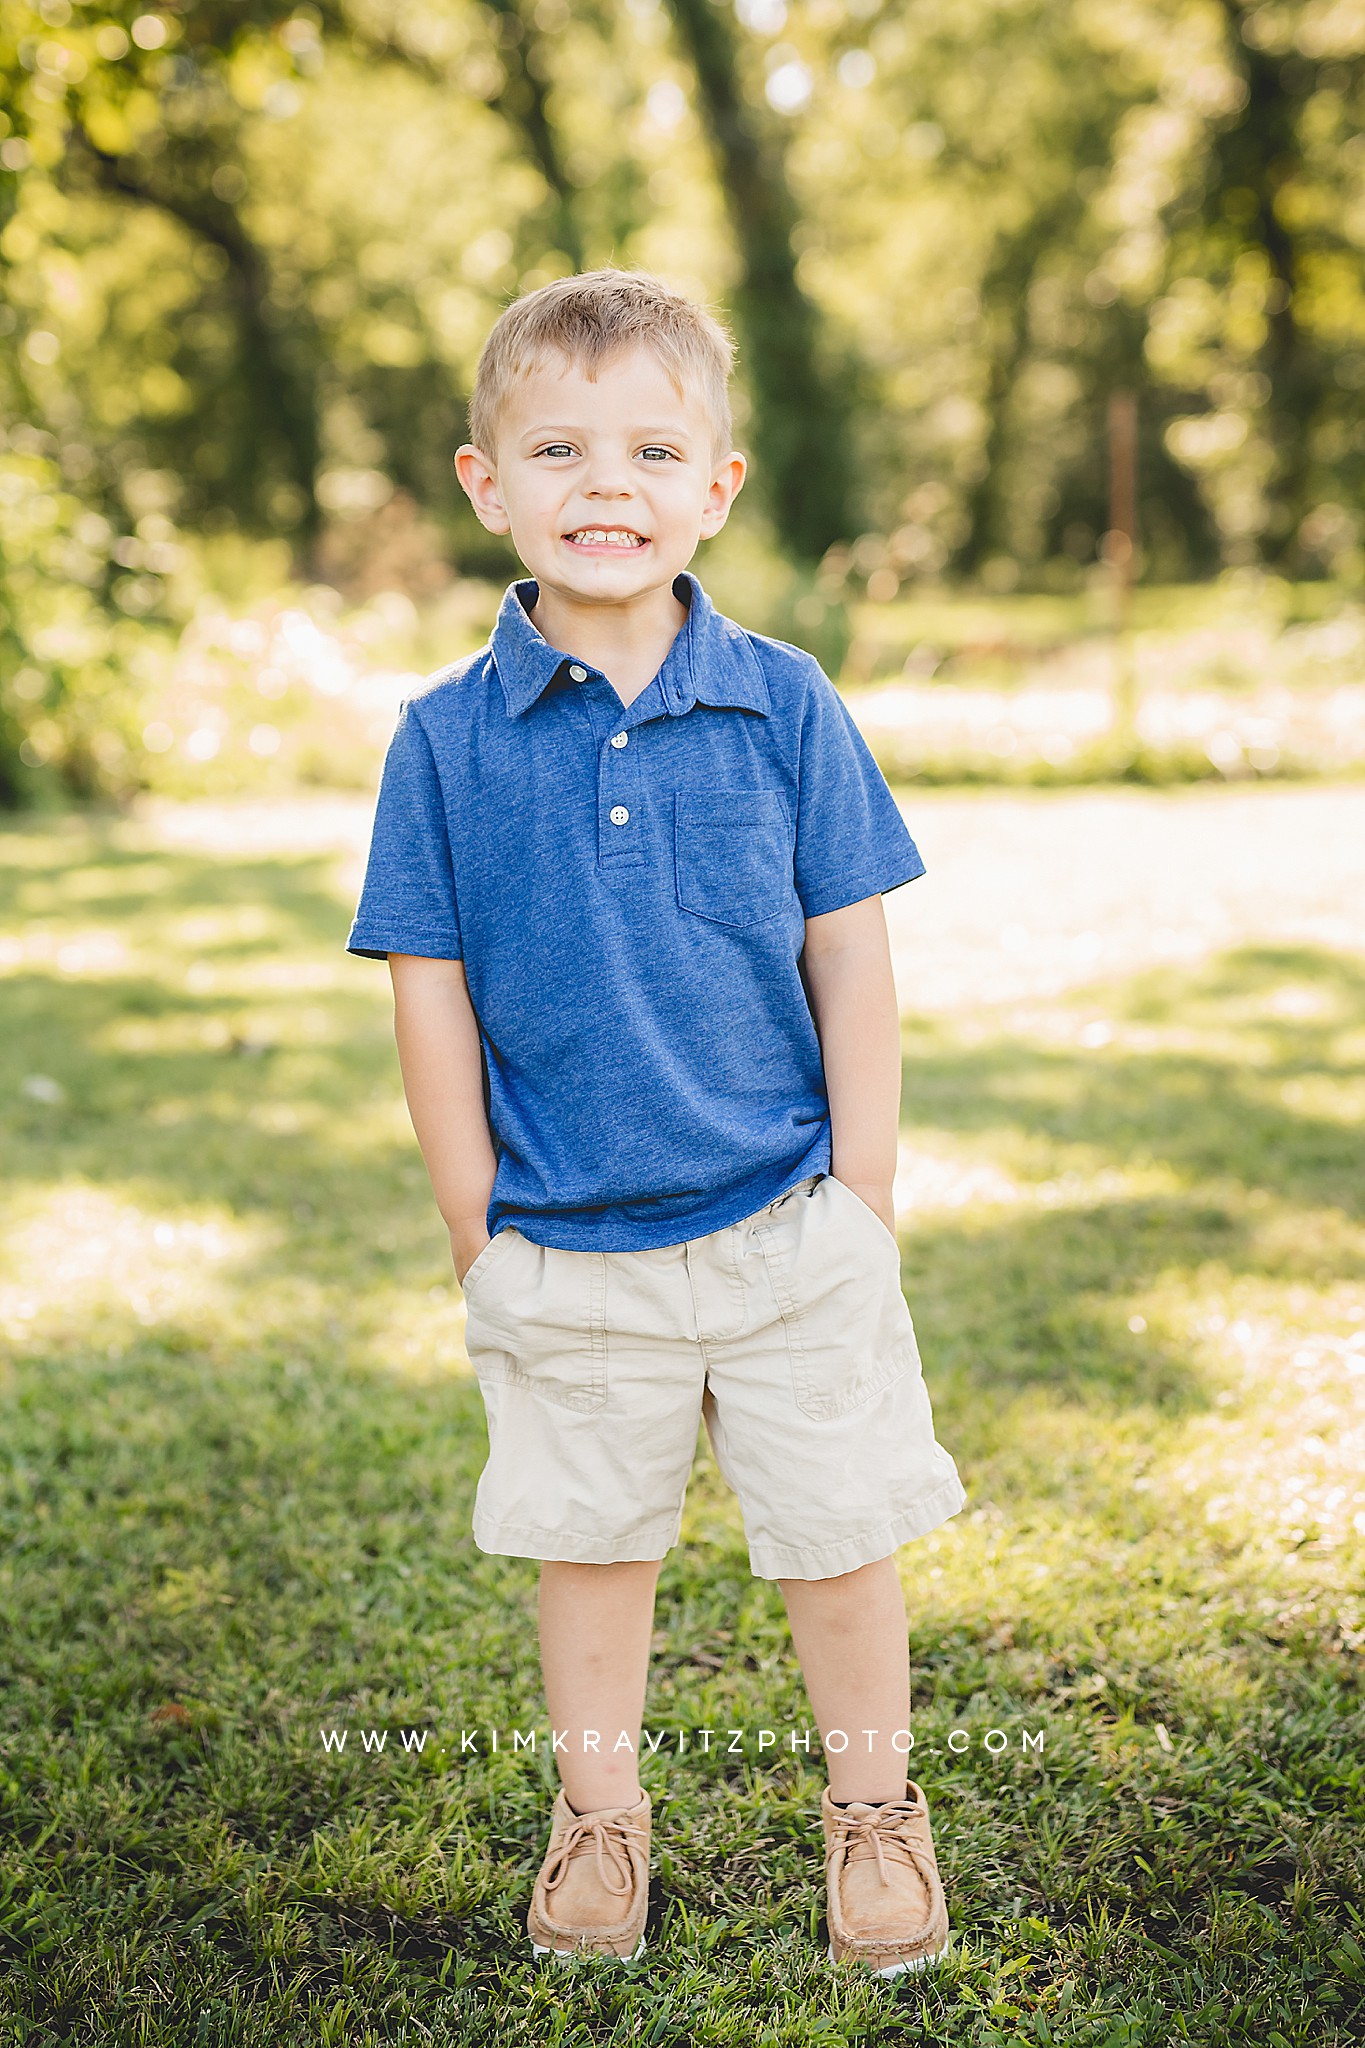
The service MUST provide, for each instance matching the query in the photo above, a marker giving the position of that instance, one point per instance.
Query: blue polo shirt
(627, 887)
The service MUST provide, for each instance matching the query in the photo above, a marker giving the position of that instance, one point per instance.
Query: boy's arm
(438, 1052)
(852, 991)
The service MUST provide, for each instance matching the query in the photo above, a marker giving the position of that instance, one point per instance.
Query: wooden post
(1120, 551)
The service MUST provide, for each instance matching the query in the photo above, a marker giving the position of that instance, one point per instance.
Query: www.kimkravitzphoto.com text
(761, 1743)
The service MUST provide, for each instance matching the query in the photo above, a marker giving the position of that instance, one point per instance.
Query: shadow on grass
(123, 884)
(191, 1123)
(203, 1116)
(1208, 1115)
(1006, 1298)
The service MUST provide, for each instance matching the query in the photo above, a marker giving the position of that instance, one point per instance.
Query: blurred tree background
(249, 252)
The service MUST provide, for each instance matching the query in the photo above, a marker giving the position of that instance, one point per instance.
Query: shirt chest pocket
(733, 854)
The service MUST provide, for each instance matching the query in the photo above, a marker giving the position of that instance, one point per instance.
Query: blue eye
(655, 449)
(556, 448)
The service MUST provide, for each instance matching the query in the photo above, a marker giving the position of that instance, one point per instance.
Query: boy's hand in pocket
(467, 1240)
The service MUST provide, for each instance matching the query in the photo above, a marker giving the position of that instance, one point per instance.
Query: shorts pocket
(543, 1327)
(733, 854)
(487, 1257)
(835, 1270)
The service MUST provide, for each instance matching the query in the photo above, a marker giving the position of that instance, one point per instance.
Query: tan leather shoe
(592, 1894)
(886, 1904)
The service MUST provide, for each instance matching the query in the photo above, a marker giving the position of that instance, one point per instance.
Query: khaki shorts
(787, 1333)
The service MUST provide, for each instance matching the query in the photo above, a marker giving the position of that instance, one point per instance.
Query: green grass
(239, 1443)
(971, 622)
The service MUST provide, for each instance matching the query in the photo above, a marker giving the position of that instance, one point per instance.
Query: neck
(626, 641)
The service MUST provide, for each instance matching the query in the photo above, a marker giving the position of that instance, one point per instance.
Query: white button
(580, 675)
(619, 814)
(618, 739)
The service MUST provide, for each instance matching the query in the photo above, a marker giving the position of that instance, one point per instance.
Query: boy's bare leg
(851, 1637)
(596, 1621)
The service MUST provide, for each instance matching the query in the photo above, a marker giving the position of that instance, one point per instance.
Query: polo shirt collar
(710, 662)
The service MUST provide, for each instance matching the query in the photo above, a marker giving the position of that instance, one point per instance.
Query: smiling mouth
(622, 537)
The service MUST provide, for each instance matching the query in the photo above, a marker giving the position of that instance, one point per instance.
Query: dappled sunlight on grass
(243, 1437)
(78, 1263)
(931, 1176)
(414, 1335)
(1086, 1151)
(1029, 896)
(1105, 1286)
(1283, 1456)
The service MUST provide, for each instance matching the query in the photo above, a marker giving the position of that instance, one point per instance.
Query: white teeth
(597, 536)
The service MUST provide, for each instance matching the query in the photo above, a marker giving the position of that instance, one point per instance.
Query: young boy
(627, 871)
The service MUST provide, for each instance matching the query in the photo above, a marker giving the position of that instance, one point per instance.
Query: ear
(479, 478)
(724, 488)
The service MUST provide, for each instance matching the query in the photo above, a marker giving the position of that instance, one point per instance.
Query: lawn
(239, 1441)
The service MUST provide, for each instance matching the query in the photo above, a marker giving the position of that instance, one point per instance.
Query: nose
(608, 476)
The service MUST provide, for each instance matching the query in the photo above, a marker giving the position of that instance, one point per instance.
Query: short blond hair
(588, 319)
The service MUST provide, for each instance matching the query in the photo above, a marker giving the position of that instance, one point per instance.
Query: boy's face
(606, 487)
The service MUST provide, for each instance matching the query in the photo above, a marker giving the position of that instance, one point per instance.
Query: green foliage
(252, 250)
(749, 580)
(83, 616)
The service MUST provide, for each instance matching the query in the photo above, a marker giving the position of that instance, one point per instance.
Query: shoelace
(607, 1839)
(889, 1824)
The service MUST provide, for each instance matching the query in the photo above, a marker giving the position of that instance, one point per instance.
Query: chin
(622, 580)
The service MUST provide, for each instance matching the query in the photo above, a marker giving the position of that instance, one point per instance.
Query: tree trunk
(1257, 156)
(800, 419)
(522, 102)
(282, 393)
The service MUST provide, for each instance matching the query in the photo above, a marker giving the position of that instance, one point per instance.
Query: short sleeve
(407, 903)
(851, 840)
